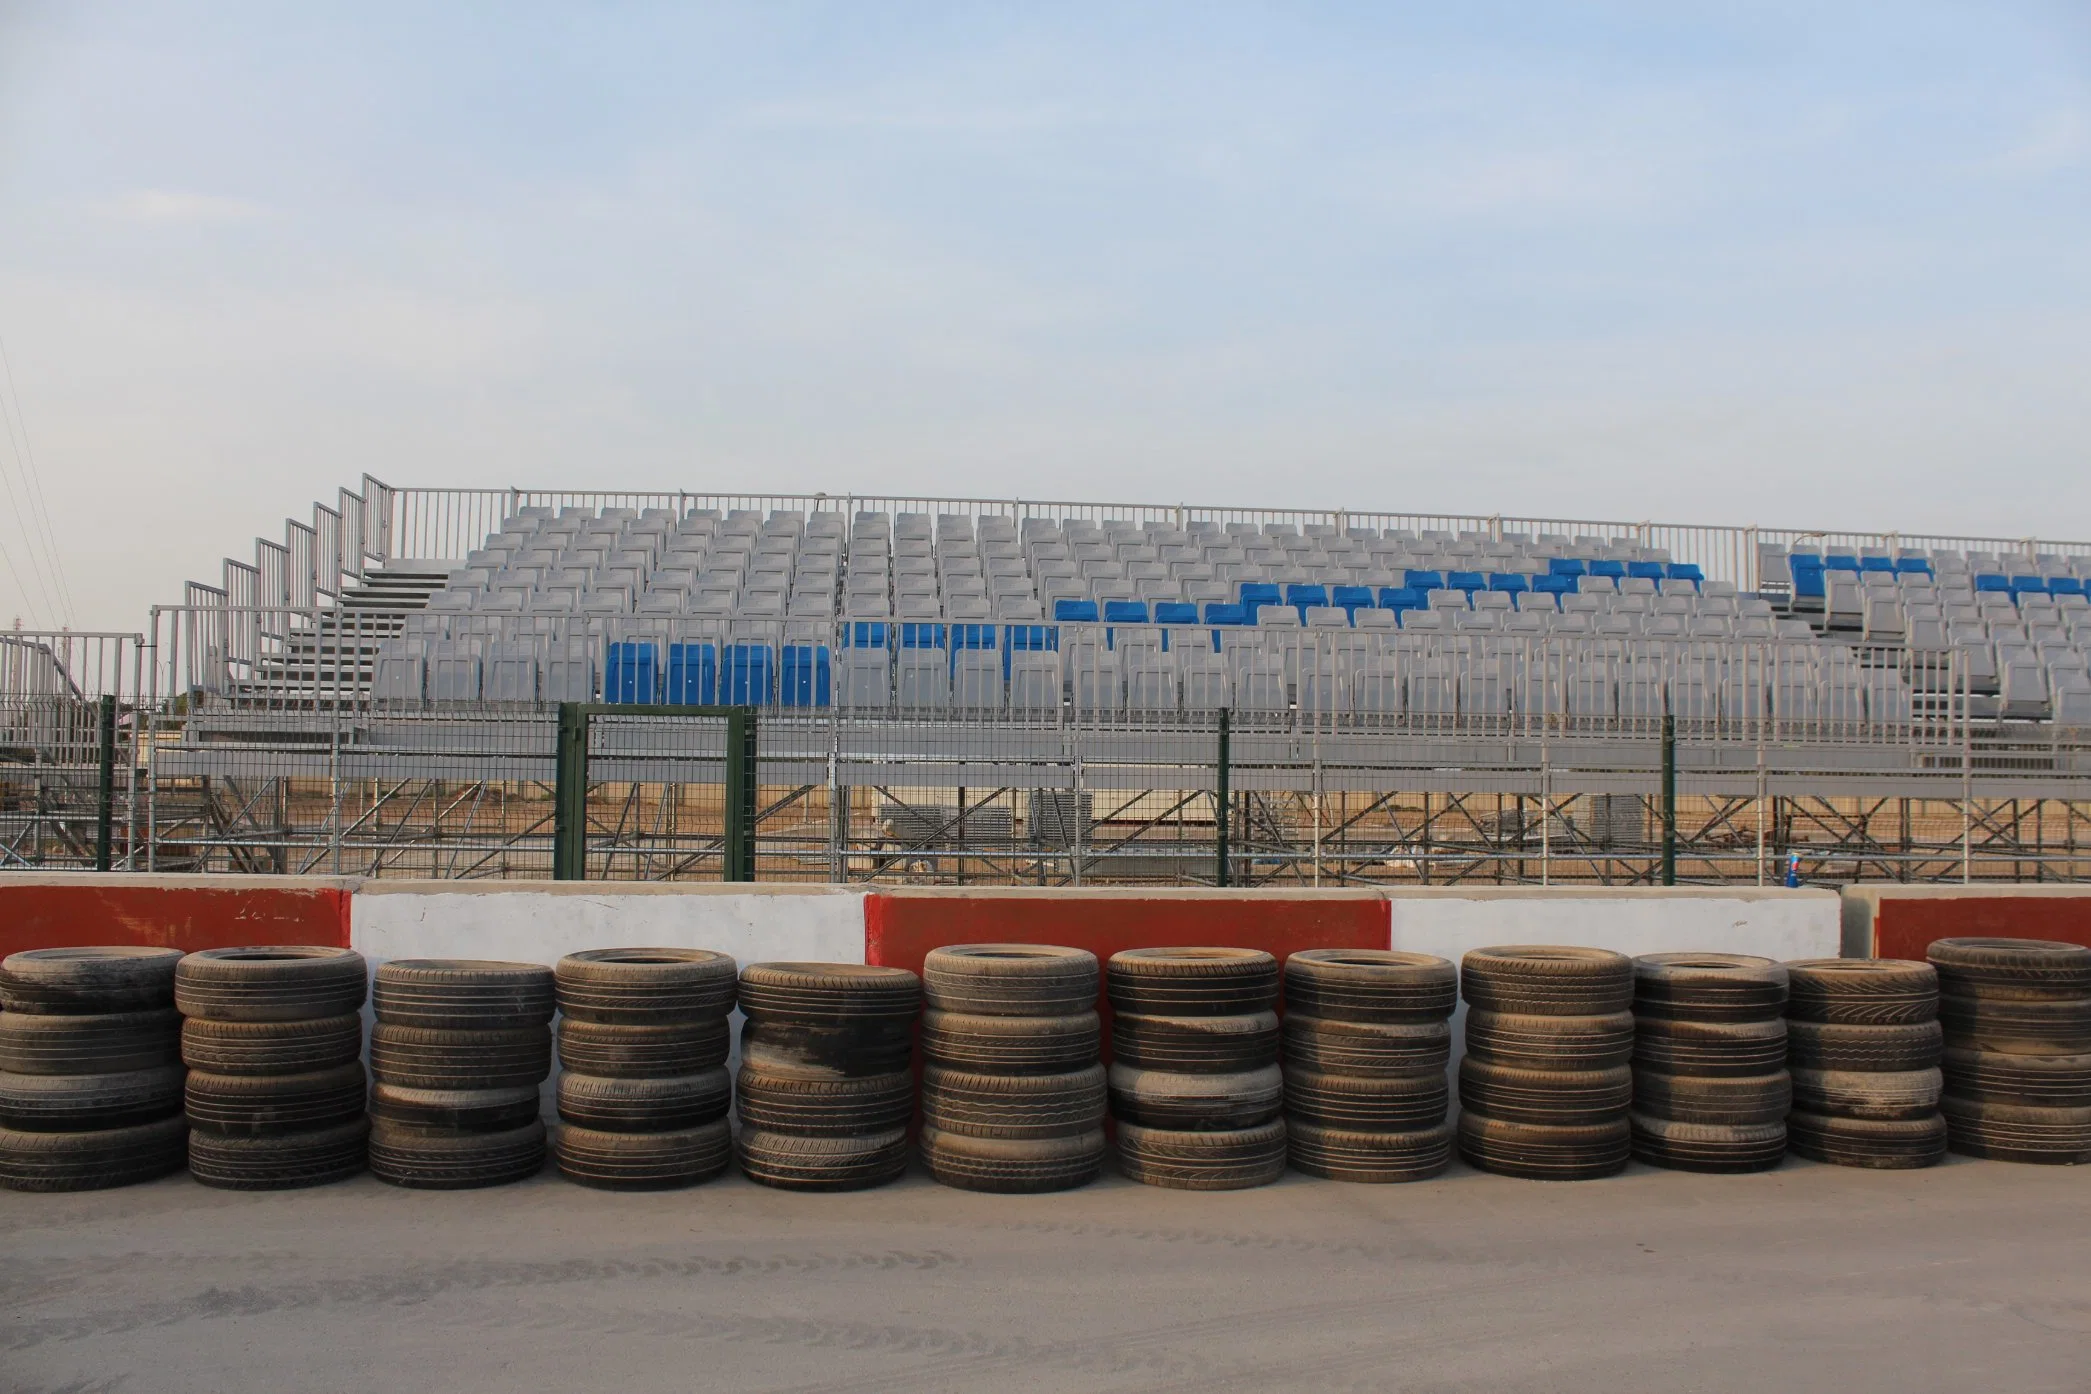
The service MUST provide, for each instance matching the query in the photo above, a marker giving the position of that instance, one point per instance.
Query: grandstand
(1077, 653)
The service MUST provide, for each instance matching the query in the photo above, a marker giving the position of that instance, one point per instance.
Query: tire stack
(1711, 1090)
(458, 1052)
(827, 1086)
(643, 1091)
(1194, 1079)
(1863, 1041)
(2017, 1063)
(1367, 1037)
(1546, 1083)
(1012, 1091)
(273, 1038)
(90, 1069)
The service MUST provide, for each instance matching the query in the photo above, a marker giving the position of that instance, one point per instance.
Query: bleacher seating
(1036, 617)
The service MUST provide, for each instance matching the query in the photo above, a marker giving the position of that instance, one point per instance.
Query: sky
(1787, 264)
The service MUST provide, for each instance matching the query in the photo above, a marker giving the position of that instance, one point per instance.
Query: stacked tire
(458, 1053)
(2017, 1062)
(643, 1091)
(826, 1087)
(1012, 1090)
(1863, 1042)
(1367, 1037)
(90, 1069)
(273, 1038)
(1194, 1080)
(1711, 1088)
(1546, 1083)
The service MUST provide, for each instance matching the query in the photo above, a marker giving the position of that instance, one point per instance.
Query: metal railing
(69, 761)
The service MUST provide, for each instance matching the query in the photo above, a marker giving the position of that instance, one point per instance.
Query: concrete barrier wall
(1901, 921)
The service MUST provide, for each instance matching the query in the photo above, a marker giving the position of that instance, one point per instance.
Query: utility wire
(18, 426)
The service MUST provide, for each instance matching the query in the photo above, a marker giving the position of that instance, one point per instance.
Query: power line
(18, 425)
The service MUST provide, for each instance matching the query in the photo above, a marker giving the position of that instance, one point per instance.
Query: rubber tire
(643, 1052)
(1552, 1042)
(1875, 1144)
(1010, 980)
(2025, 970)
(829, 994)
(815, 1107)
(1381, 986)
(670, 1104)
(271, 1047)
(1710, 1048)
(791, 1162)
(455, 1110)
(1016, 1107)
(284, 982)
(92, 1161)
(463, 994)
(1861, 991)
(1196, 1103)
(645, 987)
(1216, 1045)
(1191, 981)
(651, 1161)
(1728, 1101)
(2019, 1026)
(272, 1105)
(1231, 1160)
(1366, 1049)
(1373, 1158)
(89, 1103)
(108, 1043)
(868, 1048)
(2017, 1133)
(2032, 1081)
(419, 1058)
(1886, 1096)
(1540, 1152)
(88, 981)
(1356, 1103)
(1548, 1098)
(1709, 987)
(1547, 980)
(1714, 1148)
(1011, 1045)
(431, 1161)
(285, 1162)
(1013, 1166)
(1816, 1045)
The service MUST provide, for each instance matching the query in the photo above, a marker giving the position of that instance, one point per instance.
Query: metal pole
(1669, 799)
(105, 811)
(570, 796)
(1221, 800)
(740, 794)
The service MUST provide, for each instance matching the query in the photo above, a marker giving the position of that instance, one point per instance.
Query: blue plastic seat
(1614, 569)
(1917, 565)
(974, 636)
(1125, 612)
(1686, 571)
(2064, 585)
(1175, 612)
(1033, 638)
(1876, 564)
(1469, 581)
(1076, 611)
(1403, 597)
(866, 634)
(1352, 598)
(745, 675)
(1645, 570)
(1807, 574)
(1992, 583)
(1509, 582)
(1303, 597)
(1554, 585)
(1425, 581)
(1221, 612)
(803, 679)
(2029, 585)
(1566, 566)
(1840, 562)
(1256, 593)
(693, 674)
(631, 673)
(925, 635)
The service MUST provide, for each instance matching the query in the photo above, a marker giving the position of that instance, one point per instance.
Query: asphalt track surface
(1976, 1275)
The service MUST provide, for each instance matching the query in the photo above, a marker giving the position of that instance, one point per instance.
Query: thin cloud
(182, 206)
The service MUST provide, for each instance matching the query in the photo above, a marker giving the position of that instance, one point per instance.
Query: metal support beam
(1669, 799)
(1220, 803)
(741, 789)
(105, 805)
(570, 795)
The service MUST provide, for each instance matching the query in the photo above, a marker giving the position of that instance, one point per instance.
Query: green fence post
(105, 809)
(1220, 876)
(570, 796)
(1669, 799)
(740, 794)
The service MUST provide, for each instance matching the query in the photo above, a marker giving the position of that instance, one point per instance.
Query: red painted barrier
(186, 913)
(1905, 928)
(902, 926)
